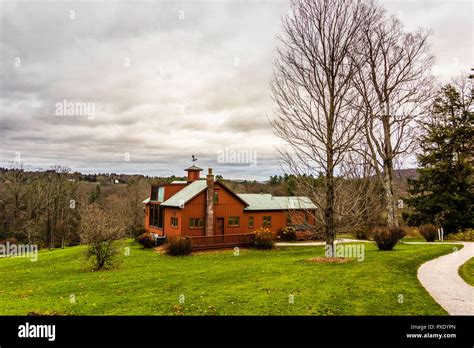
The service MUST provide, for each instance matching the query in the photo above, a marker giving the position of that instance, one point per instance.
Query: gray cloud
(196, 85)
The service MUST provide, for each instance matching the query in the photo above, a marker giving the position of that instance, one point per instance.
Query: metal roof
(255, 201)
(265, 201)
(184, 195)
(193, 167)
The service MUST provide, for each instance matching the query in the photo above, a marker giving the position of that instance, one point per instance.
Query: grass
(466, 271)
(220, 283)
(413, 239)
(421, 239)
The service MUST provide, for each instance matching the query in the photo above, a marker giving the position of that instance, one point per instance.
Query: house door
(220, 226)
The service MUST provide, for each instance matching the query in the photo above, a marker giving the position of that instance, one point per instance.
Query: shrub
(138, 231)
(101, 230)
(264, 239)
(467, 235)
(317, 234)
(361, 232)
(429, 232)
(178, 246)
(386, 238)
(287, 233)
(146, 239)
(6, 243)
(307, 232)
(10, 240)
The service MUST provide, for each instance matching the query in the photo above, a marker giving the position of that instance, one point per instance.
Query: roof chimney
(210, 203)
(193, 173)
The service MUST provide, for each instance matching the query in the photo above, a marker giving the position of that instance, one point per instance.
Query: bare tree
(394, 83)
(359, 196)
(16, 192)
(313, 90)
(61, 215)
(100, 230)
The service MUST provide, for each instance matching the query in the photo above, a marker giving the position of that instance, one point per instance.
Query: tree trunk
(329, 210)
(392, 220)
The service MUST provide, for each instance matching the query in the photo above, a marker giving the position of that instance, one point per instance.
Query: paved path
(441, 279)
(343, 240)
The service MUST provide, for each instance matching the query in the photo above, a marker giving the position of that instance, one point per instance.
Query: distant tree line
(45, 208)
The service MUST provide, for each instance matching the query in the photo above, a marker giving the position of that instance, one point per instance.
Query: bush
(386, 238)
(317, 235)
(7, 242)
(361, 233)
(287, 233)
(146, 239)
(411, 231)
(138, 231)
(307, 232)
(467, 235)
(178, 246)
(264, 239)
(101, 230)
(10, 240)
(429, 232)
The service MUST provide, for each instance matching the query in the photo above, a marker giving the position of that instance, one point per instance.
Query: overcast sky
(163, 80)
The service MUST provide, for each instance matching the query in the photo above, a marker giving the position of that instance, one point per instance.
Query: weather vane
(194, 159)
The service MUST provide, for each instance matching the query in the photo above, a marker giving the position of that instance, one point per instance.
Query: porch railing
(221, 241)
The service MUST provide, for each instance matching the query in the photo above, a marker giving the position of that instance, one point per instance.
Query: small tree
(100, 230)
(96, 195)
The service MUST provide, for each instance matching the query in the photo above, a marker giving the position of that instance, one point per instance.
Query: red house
(212, 215)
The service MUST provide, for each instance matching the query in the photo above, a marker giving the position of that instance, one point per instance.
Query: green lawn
(414, 239)
(466, 271)
(254, 283)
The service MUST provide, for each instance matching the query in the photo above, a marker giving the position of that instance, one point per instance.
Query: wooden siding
(168, 214)
(227, 206)
(279, 219)
(301, 216)
(170, 189)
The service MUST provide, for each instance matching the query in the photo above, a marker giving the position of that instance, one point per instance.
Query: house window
(156, 216)
(196, 223)
(251, 222)
(157, 193)
(216, 197)
(267, 221)
(161, 194)
(174, 222)
(154, 193)
(234, 221)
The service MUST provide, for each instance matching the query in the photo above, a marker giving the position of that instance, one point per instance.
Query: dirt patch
(160, 250)
(215, 251)
(320, 259)
(47, 313)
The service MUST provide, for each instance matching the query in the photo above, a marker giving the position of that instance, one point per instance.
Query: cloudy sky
(146, 84)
